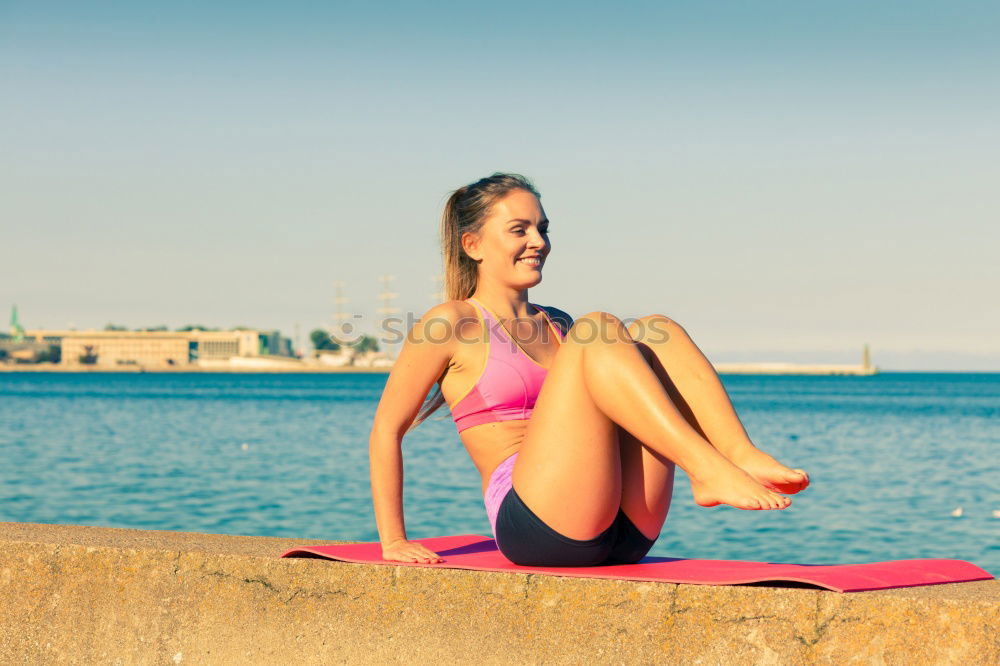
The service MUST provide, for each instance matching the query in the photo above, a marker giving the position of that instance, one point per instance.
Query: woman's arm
(424, 357)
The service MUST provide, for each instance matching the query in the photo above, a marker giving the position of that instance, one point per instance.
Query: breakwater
(73, 594)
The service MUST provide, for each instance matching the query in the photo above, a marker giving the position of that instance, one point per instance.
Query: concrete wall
(113, 596)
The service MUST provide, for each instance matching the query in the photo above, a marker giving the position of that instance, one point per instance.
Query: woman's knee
(599, 326)
(655, 329)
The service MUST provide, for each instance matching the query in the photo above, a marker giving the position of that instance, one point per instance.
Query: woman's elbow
(386, 435)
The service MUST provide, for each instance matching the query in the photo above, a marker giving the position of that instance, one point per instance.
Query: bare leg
(569, 467)
(695, 388)
(647, 484)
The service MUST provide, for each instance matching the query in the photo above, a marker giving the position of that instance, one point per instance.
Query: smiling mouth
(531, 261)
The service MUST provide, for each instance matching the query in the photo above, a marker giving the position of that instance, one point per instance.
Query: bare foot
(728, 484)
(769, 472)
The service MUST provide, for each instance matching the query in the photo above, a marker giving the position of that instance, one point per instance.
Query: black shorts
(524, 539)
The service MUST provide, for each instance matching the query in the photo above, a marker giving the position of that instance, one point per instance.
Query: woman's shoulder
(451, 310)
(560, 317)
(444, 319)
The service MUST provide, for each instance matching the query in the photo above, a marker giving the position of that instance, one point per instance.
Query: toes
(779, 501)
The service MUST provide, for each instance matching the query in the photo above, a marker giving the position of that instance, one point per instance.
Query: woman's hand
(402, 550)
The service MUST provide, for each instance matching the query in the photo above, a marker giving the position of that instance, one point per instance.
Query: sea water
(891, 458)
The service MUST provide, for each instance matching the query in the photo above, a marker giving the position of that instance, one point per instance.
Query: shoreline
(136, 370)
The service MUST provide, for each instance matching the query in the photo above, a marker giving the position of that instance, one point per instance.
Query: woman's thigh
(568, 469)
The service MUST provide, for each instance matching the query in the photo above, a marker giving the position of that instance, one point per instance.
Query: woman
(575, 426)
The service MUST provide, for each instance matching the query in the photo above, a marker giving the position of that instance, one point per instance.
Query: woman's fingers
(420, 557)
(410, 552)
(425, 555)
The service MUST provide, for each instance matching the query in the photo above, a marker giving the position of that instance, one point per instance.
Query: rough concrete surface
(92, 595)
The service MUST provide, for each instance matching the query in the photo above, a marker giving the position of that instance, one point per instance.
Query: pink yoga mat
(470, 551)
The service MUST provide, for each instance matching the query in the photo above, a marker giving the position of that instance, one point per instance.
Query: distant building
(157, 349)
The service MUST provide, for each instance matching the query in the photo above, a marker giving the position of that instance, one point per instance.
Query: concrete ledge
(116, 596)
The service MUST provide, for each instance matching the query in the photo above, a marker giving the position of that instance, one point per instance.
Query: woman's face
(513, 241)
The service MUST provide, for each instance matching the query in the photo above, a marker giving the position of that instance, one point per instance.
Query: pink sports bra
(509, 381)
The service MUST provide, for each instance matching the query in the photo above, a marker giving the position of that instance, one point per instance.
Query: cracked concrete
(100, 595)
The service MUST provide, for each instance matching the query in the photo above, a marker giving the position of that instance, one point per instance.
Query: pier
(776, 368)
(792, 369)
(73, 594)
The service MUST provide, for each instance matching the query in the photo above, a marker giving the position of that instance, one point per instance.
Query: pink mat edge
(575, 572)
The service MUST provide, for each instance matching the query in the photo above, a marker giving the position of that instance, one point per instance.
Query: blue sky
(789, 180)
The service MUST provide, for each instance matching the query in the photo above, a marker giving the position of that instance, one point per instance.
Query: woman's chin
(523, 279)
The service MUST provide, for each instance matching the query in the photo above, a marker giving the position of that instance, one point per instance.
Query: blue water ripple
(890, 458)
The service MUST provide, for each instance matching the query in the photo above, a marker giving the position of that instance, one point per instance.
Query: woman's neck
(507, 303)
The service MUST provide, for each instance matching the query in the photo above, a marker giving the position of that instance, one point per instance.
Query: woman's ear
(470, 243)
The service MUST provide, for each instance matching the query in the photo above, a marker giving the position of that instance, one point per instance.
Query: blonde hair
(464, 212)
